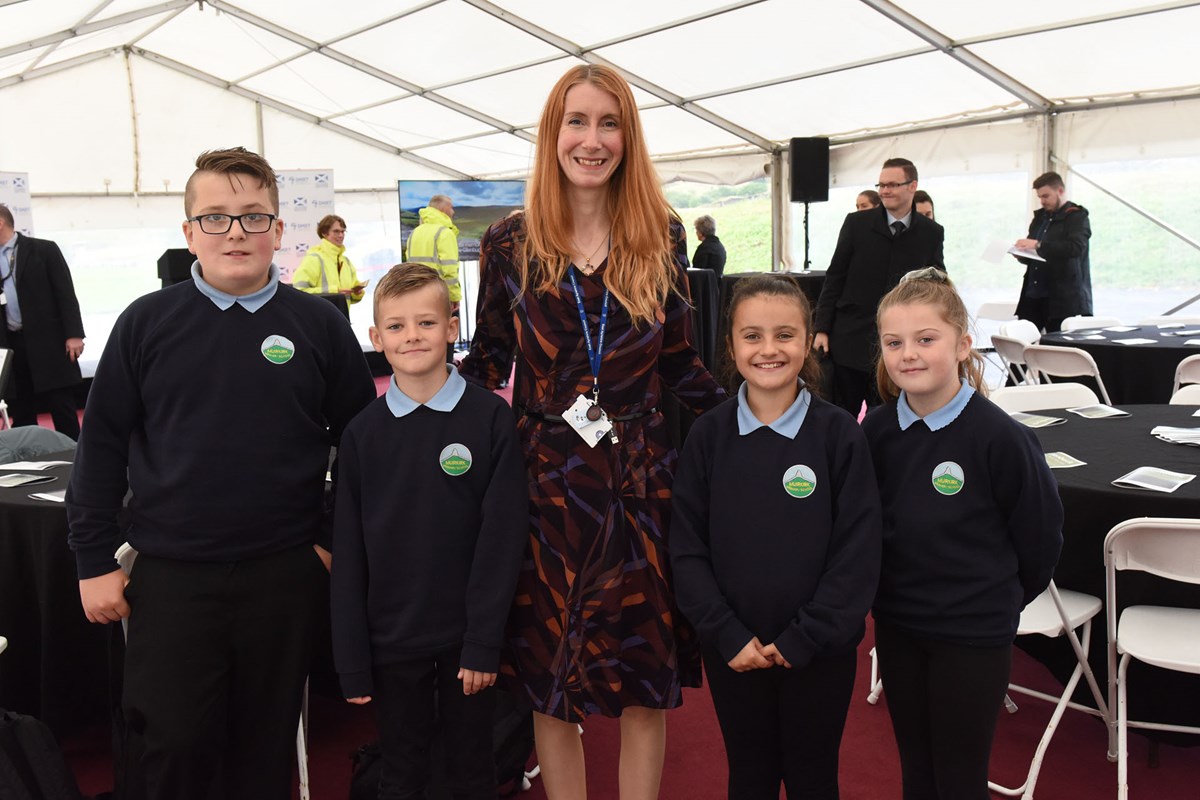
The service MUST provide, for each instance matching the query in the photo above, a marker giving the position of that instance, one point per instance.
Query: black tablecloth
(1133, 373)
(1092, 505)
(55, 666)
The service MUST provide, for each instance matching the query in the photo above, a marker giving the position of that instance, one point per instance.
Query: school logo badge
(799, 481)
(455, 459)
(278, 349)
(948, 478)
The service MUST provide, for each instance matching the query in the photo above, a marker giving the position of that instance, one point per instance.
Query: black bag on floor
(32, 766)
(512, 746)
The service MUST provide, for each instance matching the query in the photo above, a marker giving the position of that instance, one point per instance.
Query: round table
(55, 667)
(1133, 373)
(1092, 505)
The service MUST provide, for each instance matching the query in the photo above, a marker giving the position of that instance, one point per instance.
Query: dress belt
(558, 418)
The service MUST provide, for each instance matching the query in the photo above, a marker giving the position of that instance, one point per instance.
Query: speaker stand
(807, 264)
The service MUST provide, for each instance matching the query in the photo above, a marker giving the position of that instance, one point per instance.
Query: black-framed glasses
(891, 186)
(221, 223)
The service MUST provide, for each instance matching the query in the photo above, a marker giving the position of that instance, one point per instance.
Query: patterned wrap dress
(594, 627)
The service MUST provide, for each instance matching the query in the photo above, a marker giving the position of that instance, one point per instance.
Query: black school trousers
(414, 701)
(782, 725)
(944, 699)
(215, 664)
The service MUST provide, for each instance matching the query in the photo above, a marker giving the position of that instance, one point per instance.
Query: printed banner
(305, 195)
(14, 193)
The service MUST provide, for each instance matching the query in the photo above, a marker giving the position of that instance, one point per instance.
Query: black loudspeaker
(810, 169)
(175, 266)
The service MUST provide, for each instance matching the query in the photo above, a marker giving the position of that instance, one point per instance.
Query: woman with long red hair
(588, 287)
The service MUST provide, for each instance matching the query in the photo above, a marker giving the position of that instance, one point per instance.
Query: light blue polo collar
(938, 419)
(789, 422)
(445, 400)
(251, 302)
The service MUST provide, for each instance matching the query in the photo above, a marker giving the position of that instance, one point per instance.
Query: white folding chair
(1056, 613)
(1081, 322)
(1067, 362)
(126, 556)
(1188, 371)
(993, 311)
(1165, 637)
(1012, 353)
(1042, 396)
(1171, 319)
(1186, 396)
(1021, 329)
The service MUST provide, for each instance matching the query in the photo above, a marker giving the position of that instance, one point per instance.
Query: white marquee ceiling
(119, 95)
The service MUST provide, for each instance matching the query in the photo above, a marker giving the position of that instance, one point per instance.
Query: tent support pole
(777, 209)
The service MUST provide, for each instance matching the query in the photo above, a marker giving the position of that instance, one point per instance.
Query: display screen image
(477, 205)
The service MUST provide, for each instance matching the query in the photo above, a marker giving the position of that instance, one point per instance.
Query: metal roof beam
(1075, 23)
(960, 54)
(94, 27)
(571, 48)
(66, 64)
(290, 110)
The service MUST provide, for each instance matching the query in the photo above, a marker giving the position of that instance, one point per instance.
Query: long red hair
(640, 271)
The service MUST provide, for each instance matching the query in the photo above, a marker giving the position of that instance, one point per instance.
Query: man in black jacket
(710, 253)
(1060, 286)
(874, 250)
(42, 326)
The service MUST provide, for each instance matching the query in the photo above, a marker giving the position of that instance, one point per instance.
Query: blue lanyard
(596, 355)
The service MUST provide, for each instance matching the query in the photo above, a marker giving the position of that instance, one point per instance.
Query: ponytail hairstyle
(931, 287)
(641, 265)
(769, 284)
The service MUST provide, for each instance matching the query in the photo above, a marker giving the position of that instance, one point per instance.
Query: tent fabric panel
(1156, 131)
(485, 157)
(118, 7)
(17, 63)
(445, 42)
(321, 21)
(219, 44)
(588, 29)
(670, 127)
(515, 97)
(780, 47)
(412, 121)
(101, 40)
(968, 20)
(924, 87)
(193, 116)
(321, 86)
(24, 22)
(80, 133)
(290, 143)
(1127, 55)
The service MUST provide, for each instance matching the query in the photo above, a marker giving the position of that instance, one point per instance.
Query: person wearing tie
(875, 248)
(42, 326)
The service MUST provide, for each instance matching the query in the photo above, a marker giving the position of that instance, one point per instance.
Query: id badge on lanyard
(585, 415)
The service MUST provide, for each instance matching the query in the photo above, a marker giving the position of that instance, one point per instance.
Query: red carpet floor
(1075, 766)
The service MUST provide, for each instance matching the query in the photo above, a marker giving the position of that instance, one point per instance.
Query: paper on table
(1154, 479)
(1135, 341)
(1193, 342)
(21, 479)
(1098, 411)
(1188, 436)
(54, 497)
(1036, 420)
(1061, 460)
(35, 464)
(1121, 328)
(1030, 254)
(1190, 332)
(1196, 414)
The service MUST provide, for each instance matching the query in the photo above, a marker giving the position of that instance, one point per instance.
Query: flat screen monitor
(477, 205)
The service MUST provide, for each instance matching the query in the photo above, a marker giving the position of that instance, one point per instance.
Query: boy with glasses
(216, 402)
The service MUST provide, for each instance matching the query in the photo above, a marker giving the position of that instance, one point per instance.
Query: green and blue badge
(278, 349)
(799, 481)
(455, 459)
(948, 478)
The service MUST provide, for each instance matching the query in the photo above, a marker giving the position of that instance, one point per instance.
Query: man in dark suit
(710, 253)
(42, 326)
(874, 250)
(1060, 286)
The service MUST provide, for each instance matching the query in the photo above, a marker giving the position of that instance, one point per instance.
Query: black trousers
(851, 387)
(24, 402)
(215, 666)
(1037, 311)
(782, 725)
(415, 698)
(943, 699)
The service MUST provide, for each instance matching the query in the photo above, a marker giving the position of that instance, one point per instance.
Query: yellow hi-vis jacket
(435, 242)
(326, 270)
